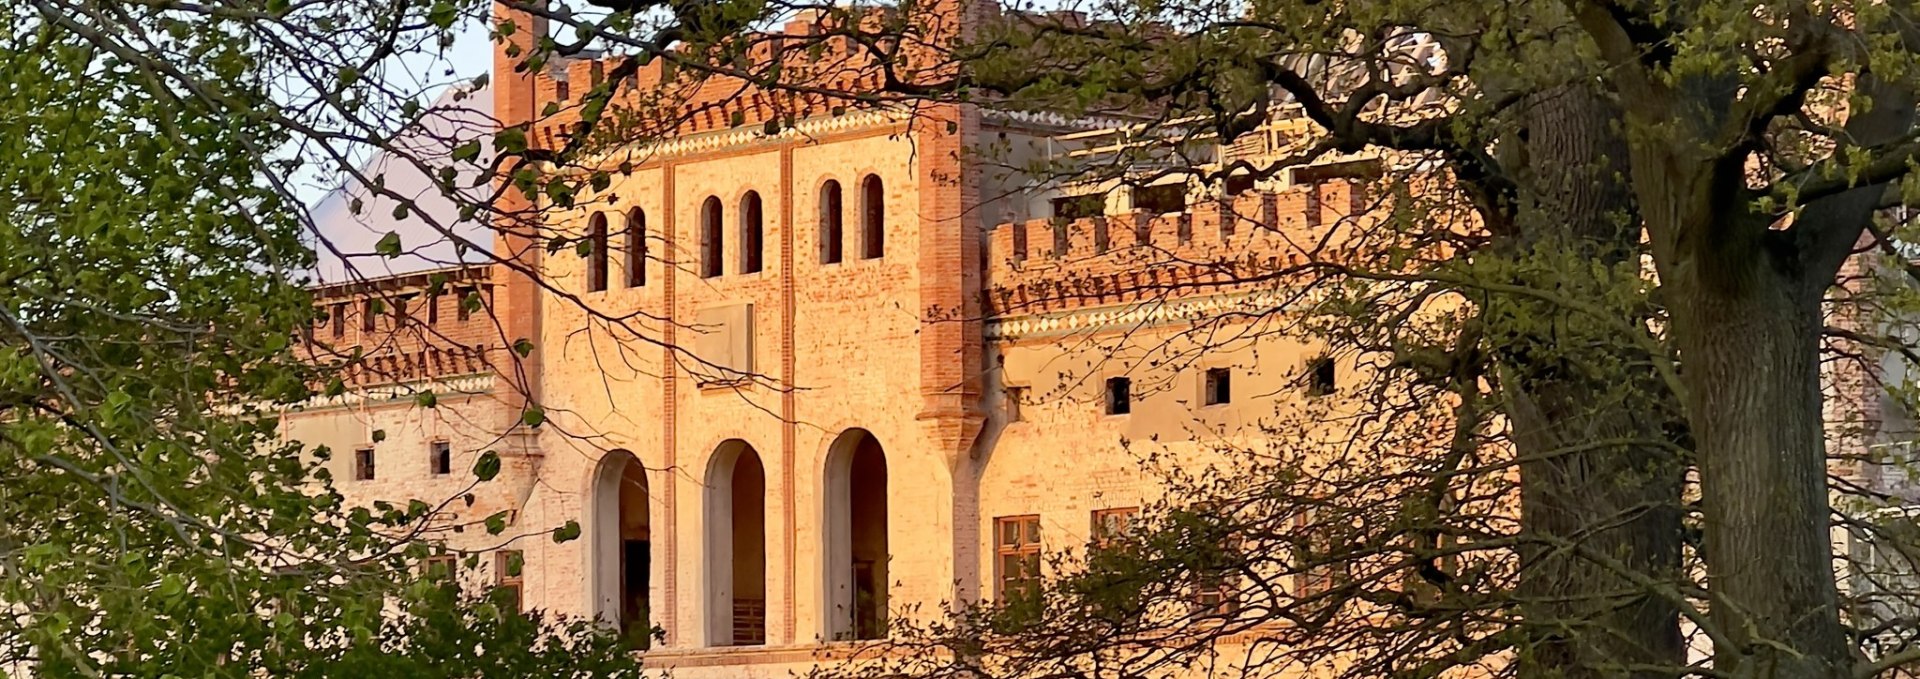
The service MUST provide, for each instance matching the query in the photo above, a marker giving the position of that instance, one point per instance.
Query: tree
(1741, 150)
(153, 299)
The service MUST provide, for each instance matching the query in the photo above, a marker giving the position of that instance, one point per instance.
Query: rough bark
(1748, 335)
(1586, 617)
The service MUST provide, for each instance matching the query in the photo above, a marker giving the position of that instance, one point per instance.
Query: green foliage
(156, 523)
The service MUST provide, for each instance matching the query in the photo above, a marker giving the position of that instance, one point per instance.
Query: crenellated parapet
(1053, 265)
(674, 97)
(409, 328)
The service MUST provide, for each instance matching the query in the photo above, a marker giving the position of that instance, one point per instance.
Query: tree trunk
(1583, 617)
(1748, 330)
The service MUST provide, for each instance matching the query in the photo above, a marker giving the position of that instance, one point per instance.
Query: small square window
(1119, 396)
(1320, 376)
(1112, 524)
(363, 464)
(442, 566)
(442, 458)
(1016, 397)
(1217, 387)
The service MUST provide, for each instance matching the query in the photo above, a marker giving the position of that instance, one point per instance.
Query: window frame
(597, 259)
(1112, 406)
(753, 234)
(1098, 533)
(636, 248)
(508, 576)
(712, 225)
(1216, 386)
(439, 451)
(873, 217)
(833, 222)
(1026, 547)
(1318, 384)
(365, 464)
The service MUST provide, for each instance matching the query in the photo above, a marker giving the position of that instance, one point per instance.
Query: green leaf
(567, 533)
(523, 347)
(379, 435)
(467, 152)
(389, 245)
(533, 416)
(497, 523)
(426, 399)
(487, 467)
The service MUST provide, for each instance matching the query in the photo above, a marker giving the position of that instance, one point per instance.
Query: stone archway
(856, 550)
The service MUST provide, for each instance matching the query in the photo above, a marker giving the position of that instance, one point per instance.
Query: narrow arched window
(710, 238)
(636, 248)
(752, 228)
(873, 218)
(832, 223)
(597, 257)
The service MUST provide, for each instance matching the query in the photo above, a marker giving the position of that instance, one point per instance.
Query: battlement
(1049, 265)
(401, 329)
(664, 101)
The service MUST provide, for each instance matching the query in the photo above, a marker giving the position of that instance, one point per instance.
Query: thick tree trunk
(1748, 330)
(1603, 519)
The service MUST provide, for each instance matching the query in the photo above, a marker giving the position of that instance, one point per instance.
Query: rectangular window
(442, 458)
(363, 464)
(1239, 184)
(469, 300)
(1016, 397)
(1111, 524)
(1320, 376)
(433, 307)
(442, 567)
(508, 567)
(1079, 207)
(1317, 570)
(370, 315)
(400, 305)
(338, 317)
(1161, 199)
(1119, 396)
(1017, 552)
(1217, 387)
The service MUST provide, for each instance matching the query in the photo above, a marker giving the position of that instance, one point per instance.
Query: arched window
(710, 238)
(832, 222)
(597, 258)
(636, 248)
(873, 218)
(752, 227)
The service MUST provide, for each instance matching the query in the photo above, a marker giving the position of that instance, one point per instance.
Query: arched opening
(622, 556)
(597, 258)
(832, 223)
(636, 248)
(710, 237)
(873, 218)
(856, 537)
(736, 546)
(752, 228)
